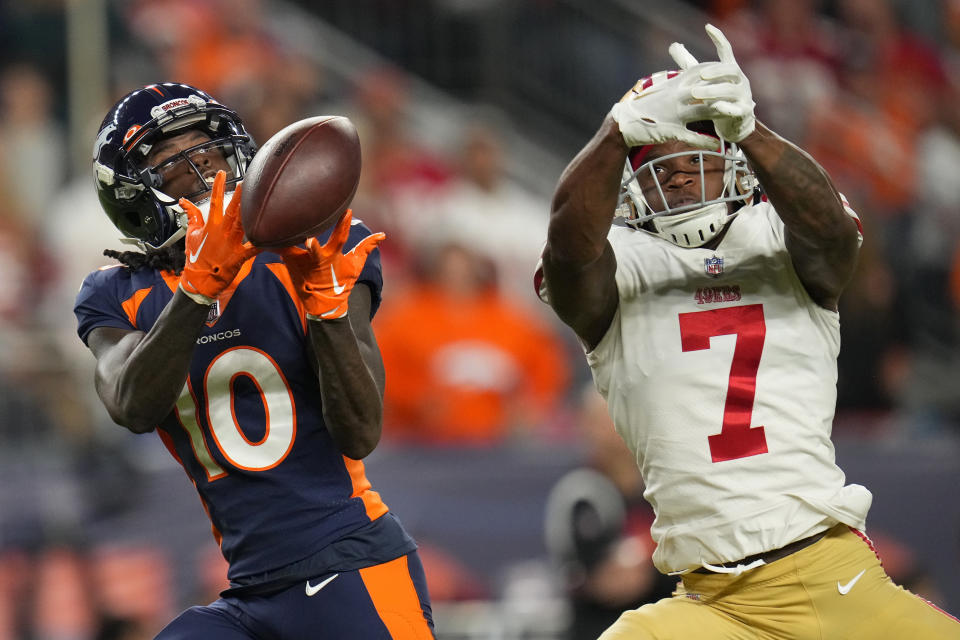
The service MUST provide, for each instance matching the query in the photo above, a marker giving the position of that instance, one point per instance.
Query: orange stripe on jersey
(171, 279)
(395, 599)
(280, 271)
(217, 536)
(224, 297)
(361, 489)
(168, 443)
(132, 304)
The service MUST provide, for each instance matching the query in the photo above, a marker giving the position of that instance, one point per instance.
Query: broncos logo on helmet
(130, 188)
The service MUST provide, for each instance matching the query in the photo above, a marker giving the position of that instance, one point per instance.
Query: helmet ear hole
(132, 219)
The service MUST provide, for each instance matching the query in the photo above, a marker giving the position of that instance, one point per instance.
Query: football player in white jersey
(709, 319)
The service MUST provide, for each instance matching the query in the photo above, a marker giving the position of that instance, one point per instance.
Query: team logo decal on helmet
(106, 133)
(130, 133)
(130, 185)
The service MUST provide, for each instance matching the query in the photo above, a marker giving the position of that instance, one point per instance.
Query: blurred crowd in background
(476, 365)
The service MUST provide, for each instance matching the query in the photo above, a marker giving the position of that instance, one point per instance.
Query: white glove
(659, 112)
(722, 86)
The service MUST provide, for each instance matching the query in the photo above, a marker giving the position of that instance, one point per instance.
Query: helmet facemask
(187, 167)
(190, 169)
(131, 184)
(693, 224)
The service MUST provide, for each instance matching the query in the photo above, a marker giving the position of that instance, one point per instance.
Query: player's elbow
(355, 426)
(359, 442)
(137, 423)
(359, 450)
(129, 407)
(142, 427)
(137, 412)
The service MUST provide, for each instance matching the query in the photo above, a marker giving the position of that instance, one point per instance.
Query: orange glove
(323, 275)
(215, 250)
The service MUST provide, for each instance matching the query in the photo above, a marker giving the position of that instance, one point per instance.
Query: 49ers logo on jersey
(726, 293)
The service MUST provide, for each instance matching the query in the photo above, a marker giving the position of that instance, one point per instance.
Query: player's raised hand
(323, 275)
(215, 248)
(722, 86)
(658, 108)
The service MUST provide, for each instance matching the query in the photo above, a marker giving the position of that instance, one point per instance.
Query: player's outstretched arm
(820, 236)
(578, 262)
(140, 375)
(350, 368)
(351, 377)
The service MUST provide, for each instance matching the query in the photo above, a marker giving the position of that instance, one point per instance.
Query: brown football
(300, 181)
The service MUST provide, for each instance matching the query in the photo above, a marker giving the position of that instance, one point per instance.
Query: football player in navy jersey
(259, 371)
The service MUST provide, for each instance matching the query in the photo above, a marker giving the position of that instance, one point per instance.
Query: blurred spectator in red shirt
(399, 172)
(393, 159)
(482, 208)
(906, 70)
(869, 153)
(789, 50)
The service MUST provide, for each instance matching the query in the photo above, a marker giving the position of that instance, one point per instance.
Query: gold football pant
(835, 589)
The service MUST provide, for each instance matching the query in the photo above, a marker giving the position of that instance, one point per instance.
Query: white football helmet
(694, 224)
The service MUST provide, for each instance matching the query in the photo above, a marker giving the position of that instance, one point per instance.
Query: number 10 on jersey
(737, 439)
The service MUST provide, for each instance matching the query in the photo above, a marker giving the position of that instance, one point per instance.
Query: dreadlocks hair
(170, 258)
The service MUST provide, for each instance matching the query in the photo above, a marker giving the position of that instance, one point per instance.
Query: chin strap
(144, 247)
(693, 228)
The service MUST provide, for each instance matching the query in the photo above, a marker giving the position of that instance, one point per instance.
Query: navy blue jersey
(248, 427)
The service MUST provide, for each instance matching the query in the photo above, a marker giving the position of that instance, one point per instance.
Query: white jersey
(720, 373)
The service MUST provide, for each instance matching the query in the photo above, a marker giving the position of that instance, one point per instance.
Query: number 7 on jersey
(737, 439)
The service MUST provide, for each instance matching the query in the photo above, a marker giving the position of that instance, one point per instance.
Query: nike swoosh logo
(193, 256)
(331, 312)
(313, 589)
(844, 589)
(337, 287)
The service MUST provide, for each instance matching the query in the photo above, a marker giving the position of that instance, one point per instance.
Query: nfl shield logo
(214, 312)
(713, 266)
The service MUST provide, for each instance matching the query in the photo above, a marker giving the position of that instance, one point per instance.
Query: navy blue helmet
(130, 181)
